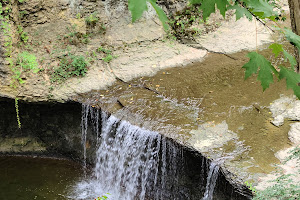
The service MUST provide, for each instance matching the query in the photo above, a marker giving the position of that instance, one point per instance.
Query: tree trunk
(295, 22)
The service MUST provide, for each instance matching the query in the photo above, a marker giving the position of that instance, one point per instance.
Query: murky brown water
(24, 178)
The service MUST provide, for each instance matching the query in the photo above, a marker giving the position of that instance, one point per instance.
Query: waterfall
(130, 161)
(211, 181)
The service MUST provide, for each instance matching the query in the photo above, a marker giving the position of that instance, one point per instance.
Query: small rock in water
(294, 133)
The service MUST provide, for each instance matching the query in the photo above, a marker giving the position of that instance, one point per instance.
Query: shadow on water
(25, 178)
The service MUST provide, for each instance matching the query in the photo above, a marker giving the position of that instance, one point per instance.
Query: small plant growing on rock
(74, 37)
(70, 66)
(101, 49)
(92, 19)
(25, 62)
(108, 54)
(23, 35)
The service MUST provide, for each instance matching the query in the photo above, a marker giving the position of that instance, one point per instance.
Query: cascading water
(131, 163)
(211, 181)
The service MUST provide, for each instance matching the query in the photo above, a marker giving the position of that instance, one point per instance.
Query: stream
(136, 144)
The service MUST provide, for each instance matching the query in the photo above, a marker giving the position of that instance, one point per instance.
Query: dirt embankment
(81, 27)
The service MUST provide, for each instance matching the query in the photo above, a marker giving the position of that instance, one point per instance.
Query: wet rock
(294, 133)
(285, 107)
(210, 135)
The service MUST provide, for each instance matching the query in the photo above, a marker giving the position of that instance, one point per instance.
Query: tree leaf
(208, 7)
(292, 37)
(240, 12)
(292, 80)
(196, 1)
(266, 70)
(161, 14)
(137, 7)
(222, 6)
(277, 49)
(261, 8)
(291, 58)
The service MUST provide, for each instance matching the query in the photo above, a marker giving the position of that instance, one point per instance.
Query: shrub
(70, 66)
(27, 61)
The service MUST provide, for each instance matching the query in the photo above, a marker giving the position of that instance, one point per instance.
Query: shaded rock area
(46, 129)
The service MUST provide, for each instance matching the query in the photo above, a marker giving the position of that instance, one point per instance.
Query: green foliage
(74, 37)
(208, 7)
(23, 13)
(101, 49)
(78, 16)
(137, 8)
(17, 113)
(23, 35)
(261, 8)
(69, 66)
(250, 186)
(292, 37)
(108, 56)
(92, 19)
(278, 48)
(160, 13)
(6, 27)
(292, 79)
(103, 197)
(295, 154)
(27, 61)
(22, 1)
(240, 11)
(283, 189)
(260, 64)
(184, 25)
